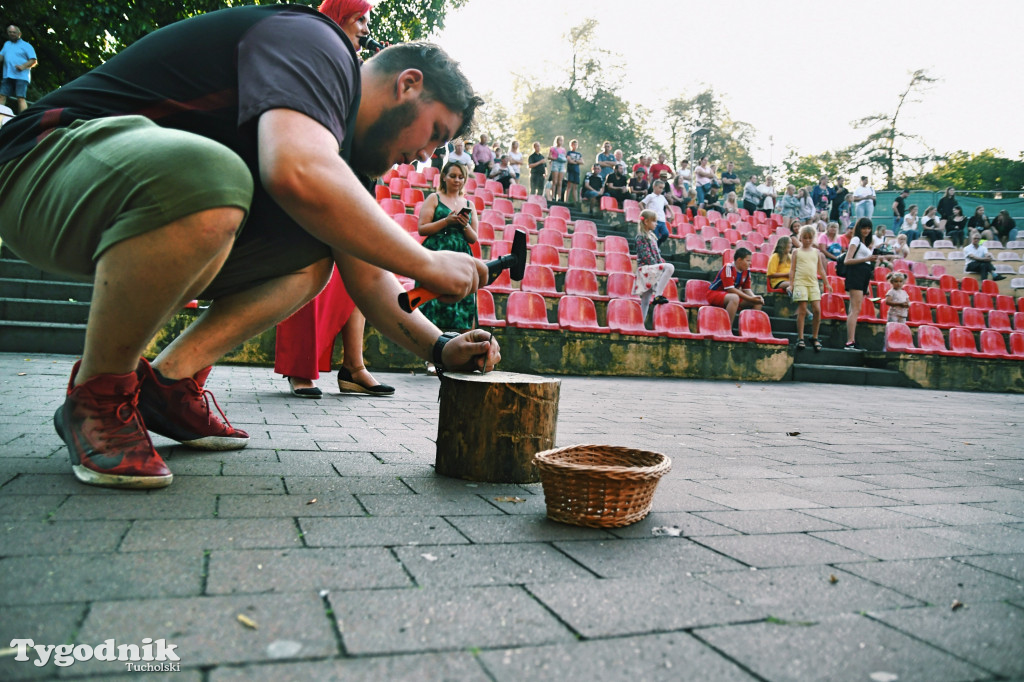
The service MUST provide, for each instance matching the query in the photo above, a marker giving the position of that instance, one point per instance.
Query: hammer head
(514, 261)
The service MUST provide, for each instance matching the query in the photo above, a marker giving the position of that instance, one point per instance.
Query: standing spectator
(503, 173)
(460, 155)
(808, 265)
(440, 154)
(860, 262)
(593, 186)
(946, 204)
(638, 185)
(574, 160)
(979, 221)
(558, 159)
(515, 158)
(779, 265)
(789, 206)
(652, 272)
(769, 195)
(751, 197)
(483, 155)
(19, 58)
(838, 197)
(661, 167)
(606, 159)
(619, 158)
(931, 226)
(807, 209)
(846, 213)
(909, 225)
(830, 243)
(538, 166)
(731, 288)
(655, 201)
(956, 226)
(899, 210)
(821, 194)
(643, 162)
(616, 184)
(979, 260)
(685, 176)
(729, 179)
(703, 177)
(864, 199)
(1003, 228)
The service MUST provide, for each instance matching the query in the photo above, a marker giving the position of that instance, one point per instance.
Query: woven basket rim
(549, 458)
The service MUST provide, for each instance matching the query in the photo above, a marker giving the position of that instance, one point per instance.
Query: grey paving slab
(896, 543)
(418, 505)
(88, 577)
(43, 624)
(758, 501)
(956, 514)
(768, 521)
(443, 485)
(315, 486)
(442, 618)
(939, 581)
(688, 524)
(512, 564)
(668, 556)
(989, 635)
(847, 647)
(955, 495)
(985, 538)
(207, 630)
(264, 506)
(522, 528)
(29, 508)
(676, 657)
(19, 538)
(63, 483)
(147, 536)
(625, 606)
(302, 570)
(869, 517)
(224, 485)
(842, 498)
(385, 531)
(106, 507)
(453, 667)
(782, 549)
(1009, 565)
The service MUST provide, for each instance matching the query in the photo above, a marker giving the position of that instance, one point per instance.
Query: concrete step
(42, 310)
(13, 268)
(42, 289)
(854, 376)
(41, 337)
(832, 357)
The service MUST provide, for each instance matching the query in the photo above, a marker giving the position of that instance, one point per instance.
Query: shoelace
(207, 396)
(131, 433)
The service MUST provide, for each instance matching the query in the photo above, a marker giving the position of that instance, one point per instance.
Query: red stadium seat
(969, 284)
(624, 317)
(495, 188)
(990, 287)
(671, 290)
(397, 186)
(992, 345)
(578, 314)
(868, 312)
(880, 273)
(485, 233)
(581, 282)
(381, 192)
(919, 314)
(404, 169)
(999, 320)
(412, 196)
(882, 288)
(501, 247)
(839, 287)
(946, 317)
(832, 307)
(671, 320)
(612, 243)
(1017, 345)
(914, 293)
(983, 301)
(485, 310)
(583, 259)
(617, 262)
(556, 224)
(492, 216)
(948, 283)
(392, 206)
(696, 292)
(537, 199)
(540, 279)
(542, 254)
(1004, 303)
(503, 206)
(582, 240)
(899, 339)
(503, 283)
(560, 212)
(935, 296)
(525, 220)
(755, 325)
(959, 299)
(532, 209)
(1018, 321)
(478, 202)
(528, 310)
(551, 238)
(930, 340)
(714, 322)
(585, 226)
(517, 191)
(973, 319)
(961, 342)
(759, 262)
(620, 285)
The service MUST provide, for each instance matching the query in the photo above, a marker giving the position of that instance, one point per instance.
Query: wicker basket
(601, 486)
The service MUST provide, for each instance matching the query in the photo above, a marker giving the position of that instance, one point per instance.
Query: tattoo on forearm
(409, 335)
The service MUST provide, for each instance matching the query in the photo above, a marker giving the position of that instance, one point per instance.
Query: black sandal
(346, 384)
(312, 392)
(800, 345)
(816, 343)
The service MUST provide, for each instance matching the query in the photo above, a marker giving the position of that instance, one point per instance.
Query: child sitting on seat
(652, 272)
(808, 265)
(731, 286)
(779, 265)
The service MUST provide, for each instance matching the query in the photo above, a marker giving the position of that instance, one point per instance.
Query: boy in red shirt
(731, 288)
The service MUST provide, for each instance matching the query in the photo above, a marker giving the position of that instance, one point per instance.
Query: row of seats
(947, 317)
(528, 310)
(578, 282)
(1002, 256)
(900, 339)
(488, 234)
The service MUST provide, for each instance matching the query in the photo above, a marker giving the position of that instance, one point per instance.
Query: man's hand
(454, 275)
(474, 350)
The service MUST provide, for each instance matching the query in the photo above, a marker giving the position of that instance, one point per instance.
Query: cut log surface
(491, 425)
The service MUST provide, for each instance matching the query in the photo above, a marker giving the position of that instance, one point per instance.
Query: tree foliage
(723, 140)
(804, 171)
(71, 37)
(985, 170)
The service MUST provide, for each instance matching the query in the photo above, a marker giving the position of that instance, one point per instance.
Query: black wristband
(439, 346)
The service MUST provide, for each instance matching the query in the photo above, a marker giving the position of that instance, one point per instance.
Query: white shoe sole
(90, 477)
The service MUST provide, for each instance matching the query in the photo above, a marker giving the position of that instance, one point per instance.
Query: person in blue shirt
(19, 58)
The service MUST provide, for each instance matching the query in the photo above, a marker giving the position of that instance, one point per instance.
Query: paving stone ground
(825, 533)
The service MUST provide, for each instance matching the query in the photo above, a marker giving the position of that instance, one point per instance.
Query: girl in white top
(515, 158)
(860, 264)
(909, 227)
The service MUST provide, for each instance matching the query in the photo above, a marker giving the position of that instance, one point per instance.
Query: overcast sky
(788, 68)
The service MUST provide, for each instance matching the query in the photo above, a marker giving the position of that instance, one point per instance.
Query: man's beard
(370, 155)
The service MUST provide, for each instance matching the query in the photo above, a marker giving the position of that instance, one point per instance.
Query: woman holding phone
(448, 222)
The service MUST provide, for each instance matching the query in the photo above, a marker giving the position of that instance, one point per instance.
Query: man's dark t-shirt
(537, 170)
(901, 207)
(214, 75)
(729, 181)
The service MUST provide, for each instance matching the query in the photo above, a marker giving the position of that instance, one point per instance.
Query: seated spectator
(655, 201)
(731, 288)
(644, 164)
(908, 228)
(956, 226)
(711, 199)
(685, 177)
(503, 173)
(1003, 228)
(616, 185)
(979, 260)
(830, 243)
(638, 186)
(881, 234)
(730, 205)
(932, 228)
(779, 264)
(652, 272)
(679, 193)
(978, 222)
(897, 299)
(901, 249)
(593, 185)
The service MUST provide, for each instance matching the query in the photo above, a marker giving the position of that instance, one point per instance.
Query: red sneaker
(106, 438)
(181, 410)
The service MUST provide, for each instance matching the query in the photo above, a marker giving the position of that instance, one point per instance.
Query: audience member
(908, 226)
(686, 176)
(808, 265)
(678, 193)
(751, 197)
(711, 199)
(901, 249)
(860, 269)
(830, 243)
(503, 173)
(807, 209)
(864, 199)
(1003, 228)
(839, 193)
(655, 201)
(460, 155)
(899, 209)
(440, 154)
(483, 155)
(642, 163)
(703, 177)
(606, 159)
(638, 185)
(779, 265)
(616, 185)
(789, 206)
(574, 161)
(946, 203)
(821, 194)
(593, 187)
(558, 158)
(897, 297)
(931, 226)
(731, 288)
(979, 221)
(979, 260)
(729, 179)
(956, 226)
(769, 195)
(730, 205)
(660, 167)
(515, 159)
(18, 58)
(652, 272)
(538, 168)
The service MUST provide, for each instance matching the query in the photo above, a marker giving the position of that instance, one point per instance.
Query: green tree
(985, 170)
(72, 37)
(723, 138)
(804, 171)
(884, 148)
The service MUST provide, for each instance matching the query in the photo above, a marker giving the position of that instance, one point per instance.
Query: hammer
(514, 262)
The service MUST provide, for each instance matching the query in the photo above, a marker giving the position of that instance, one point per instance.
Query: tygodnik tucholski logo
(149, 656)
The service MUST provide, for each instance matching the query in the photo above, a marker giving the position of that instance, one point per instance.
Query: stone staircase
(40, 312)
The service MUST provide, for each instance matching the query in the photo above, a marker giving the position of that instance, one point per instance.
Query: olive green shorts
(86, 187)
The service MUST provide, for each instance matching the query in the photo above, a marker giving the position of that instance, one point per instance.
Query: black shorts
(858, 277)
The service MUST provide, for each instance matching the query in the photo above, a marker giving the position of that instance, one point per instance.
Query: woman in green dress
(449, 223)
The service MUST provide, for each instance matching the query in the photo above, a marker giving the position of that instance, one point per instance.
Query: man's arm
(30, 64)
(302, 170)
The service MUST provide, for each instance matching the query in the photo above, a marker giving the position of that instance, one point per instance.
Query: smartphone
(467, 211)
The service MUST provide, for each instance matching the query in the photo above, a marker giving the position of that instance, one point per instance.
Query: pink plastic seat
(578, 314)
(493, 217)
(532, 209)
(961, 342)
(517, 191)
(714, 322)
(612, 243)
(409, 222)
(696, 293)
(759, 262)
(583, 259)
(899, 339)
(1017, 345)
(930, 340)
(624, 317)
(588, 226)
(756, 326)
(381, 192)
(527, 309)
(540, 279)
(525, 221)
(617, 262)
(999, 320)
(581, 282)
(620, 285)
(495, 188)
(671, 320)
(551, 238)
(919, 314)
(412, 196)
(582, 240)
(838, 286)
(935, 297)
(992, 345)
(542, 254)
(503, 206)
(560, 212)
(609, 204)
(392, 206)
(503, 283)
(551, 223)
(485, 310)
(832, 307)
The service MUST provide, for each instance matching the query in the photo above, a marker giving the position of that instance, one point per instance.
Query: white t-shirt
(978, 252)
(863, 192)
(685, 173)
(861, 251)
(767, 192)
(657, 203)
(514, 159)
(466, 159)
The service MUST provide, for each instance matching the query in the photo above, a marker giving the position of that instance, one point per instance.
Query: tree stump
(491, 425)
